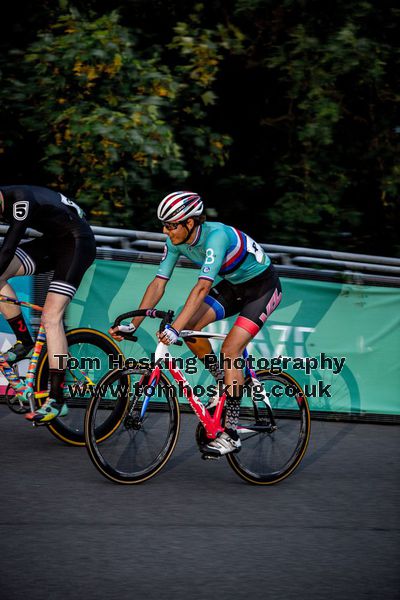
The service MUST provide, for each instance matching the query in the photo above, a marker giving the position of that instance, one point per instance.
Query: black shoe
(17, 352)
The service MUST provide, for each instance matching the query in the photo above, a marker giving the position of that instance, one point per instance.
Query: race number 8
(209, 256)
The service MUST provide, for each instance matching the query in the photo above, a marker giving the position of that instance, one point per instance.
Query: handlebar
(153, 313)
(166, 317)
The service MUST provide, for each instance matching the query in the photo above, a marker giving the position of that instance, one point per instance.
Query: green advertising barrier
(340, 341)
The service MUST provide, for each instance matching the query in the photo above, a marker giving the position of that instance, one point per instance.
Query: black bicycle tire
(248, 475)
(93, 445)
(80, 335)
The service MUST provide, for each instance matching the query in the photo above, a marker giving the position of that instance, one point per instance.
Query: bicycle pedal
(209, 456)
(33, 423)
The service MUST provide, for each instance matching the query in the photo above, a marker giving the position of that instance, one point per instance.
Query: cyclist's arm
(193, 303)
(216, 246)
(13, 237)
(168, 261)
(152, 296)
(155, 290)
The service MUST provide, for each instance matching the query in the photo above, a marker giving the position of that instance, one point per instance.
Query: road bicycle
(89, 353)
(274, 421)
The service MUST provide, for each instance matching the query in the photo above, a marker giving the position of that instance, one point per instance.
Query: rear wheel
(272, 445)
(147, 429)
(91, 351)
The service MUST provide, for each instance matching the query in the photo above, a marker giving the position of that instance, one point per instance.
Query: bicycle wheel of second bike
(268, 454)
(91, 351)
(147, 430)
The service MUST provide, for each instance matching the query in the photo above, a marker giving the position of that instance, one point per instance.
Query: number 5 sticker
(20, 210)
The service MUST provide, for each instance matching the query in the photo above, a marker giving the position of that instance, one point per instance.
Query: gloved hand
(169, 335)
(127, 328)
(115, 332)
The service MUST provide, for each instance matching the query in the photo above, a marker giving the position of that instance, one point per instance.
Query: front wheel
(90, 353)
(273, 444)
(15, 402)
(146, 419)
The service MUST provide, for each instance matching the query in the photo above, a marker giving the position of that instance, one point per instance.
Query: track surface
(331, 530)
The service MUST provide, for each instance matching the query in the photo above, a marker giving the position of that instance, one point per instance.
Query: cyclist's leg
(260, 297)
(260, 300)
(221, 302)
(14, 269)
(73, 257)
(232, 350)
(203, 350)
(30, 257)
(12, 313)
(257, 308)
(203, 317)
(52, 319)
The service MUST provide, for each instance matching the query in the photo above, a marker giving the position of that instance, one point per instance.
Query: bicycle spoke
(91, 351)
(269, 456)
(139, 446)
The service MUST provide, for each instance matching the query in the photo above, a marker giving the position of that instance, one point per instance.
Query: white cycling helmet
(179, 206)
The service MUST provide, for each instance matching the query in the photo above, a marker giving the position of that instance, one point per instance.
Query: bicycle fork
(136, 423)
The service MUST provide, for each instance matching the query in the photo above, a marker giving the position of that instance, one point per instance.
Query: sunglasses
(171, 226)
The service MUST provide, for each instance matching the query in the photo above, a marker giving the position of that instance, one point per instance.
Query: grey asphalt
(196, 530)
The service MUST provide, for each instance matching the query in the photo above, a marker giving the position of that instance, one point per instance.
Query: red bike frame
(212, 423)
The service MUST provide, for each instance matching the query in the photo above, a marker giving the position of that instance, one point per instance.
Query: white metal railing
(152, 243)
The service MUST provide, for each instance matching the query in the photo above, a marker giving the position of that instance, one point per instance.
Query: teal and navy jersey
(220, 250)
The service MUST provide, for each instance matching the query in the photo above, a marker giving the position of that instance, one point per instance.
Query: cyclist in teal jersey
(242, 258)
(249, 287)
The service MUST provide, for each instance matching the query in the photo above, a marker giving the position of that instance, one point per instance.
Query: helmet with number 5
(179, 206)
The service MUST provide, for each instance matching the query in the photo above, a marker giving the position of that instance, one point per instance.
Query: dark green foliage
(282, 114)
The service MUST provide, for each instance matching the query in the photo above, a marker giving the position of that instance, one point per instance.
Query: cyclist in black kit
(67, 247)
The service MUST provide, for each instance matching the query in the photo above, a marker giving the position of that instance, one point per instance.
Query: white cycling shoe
(223, 444)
